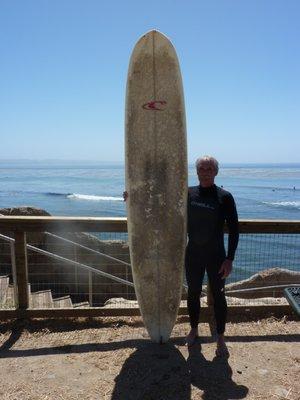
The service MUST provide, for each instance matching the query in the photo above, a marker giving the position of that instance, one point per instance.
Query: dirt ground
(112, 358)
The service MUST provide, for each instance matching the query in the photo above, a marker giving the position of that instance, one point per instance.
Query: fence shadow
(15, 332)
(12, 331)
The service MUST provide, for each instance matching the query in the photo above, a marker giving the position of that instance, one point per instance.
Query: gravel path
(112, 358)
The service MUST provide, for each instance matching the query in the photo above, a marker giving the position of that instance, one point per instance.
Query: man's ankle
(221, 338)
(192, 337)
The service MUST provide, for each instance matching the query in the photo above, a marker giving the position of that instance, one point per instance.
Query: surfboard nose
(156, 35)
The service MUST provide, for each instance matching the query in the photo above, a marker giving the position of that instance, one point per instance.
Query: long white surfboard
(156, 181)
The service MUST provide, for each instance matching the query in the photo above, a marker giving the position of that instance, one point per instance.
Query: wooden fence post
(22, 301)
(14, 271)
(91, 288)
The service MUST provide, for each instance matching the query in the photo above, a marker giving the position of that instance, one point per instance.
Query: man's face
(206, 173)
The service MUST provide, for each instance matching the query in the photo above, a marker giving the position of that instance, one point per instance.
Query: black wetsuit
(208, 209)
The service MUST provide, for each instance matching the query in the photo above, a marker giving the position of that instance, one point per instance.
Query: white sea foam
(294, 204)
(87, 197)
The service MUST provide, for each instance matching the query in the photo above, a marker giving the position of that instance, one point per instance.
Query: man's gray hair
(209, 159)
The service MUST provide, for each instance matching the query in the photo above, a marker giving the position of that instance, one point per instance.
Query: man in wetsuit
(209, 206)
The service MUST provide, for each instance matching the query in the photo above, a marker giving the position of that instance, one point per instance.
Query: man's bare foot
(222, 350)
(191, 337)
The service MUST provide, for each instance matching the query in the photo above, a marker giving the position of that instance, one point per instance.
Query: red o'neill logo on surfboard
(156, 105)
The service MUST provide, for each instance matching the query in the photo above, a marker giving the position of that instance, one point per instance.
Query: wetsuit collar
(209, 189)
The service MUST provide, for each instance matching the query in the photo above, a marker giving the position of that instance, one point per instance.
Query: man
(209, 206)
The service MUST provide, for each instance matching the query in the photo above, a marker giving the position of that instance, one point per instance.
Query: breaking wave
(88, 197)
(76, 196)
(289, 204)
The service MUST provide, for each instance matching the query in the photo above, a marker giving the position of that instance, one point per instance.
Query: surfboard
(156, 181)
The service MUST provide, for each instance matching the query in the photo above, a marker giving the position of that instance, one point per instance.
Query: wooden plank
(243, 313)
(269, 226)
(83, 304)
(22, 300)
(85, 224)
(63, 302)
(4, 282)
(59, 224)
(11, 296)
(41, 299)
(234, 312)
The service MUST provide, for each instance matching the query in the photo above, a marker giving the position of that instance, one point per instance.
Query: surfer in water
(209, 206)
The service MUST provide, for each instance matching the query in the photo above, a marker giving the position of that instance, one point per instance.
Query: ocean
(91, 189)
(95, 189)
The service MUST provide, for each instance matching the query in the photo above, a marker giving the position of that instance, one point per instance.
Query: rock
(268, 277)
(262, 371)
(281, 392)
(274, 301)
(24, 211)
(36, 239)
(113, 302)
(235, 301)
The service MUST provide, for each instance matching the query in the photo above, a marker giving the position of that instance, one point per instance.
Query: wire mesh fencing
(69, 270)
(257, 252)
(263, 265)
(82, 270)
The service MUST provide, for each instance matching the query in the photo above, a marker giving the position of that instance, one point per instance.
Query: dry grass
(112, 358)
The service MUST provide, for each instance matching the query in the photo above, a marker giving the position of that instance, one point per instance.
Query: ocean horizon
(84, 162)
(261, 191)
(82, 188)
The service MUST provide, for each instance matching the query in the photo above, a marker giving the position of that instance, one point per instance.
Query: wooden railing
(19, 225)
(91, 224)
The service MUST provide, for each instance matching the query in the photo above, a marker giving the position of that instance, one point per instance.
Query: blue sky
(64, 63)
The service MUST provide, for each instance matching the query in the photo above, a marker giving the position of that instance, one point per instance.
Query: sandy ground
(112, 358)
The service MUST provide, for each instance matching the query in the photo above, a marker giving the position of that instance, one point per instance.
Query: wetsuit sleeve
(231, 218)
(188, 212)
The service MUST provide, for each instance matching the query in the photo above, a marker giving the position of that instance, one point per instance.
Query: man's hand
(125, 195)
(226, 268)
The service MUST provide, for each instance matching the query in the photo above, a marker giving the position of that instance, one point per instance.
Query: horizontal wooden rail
(20, 225)
(269, 226)
(93, 224)
(234, 312)
(62, 224)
